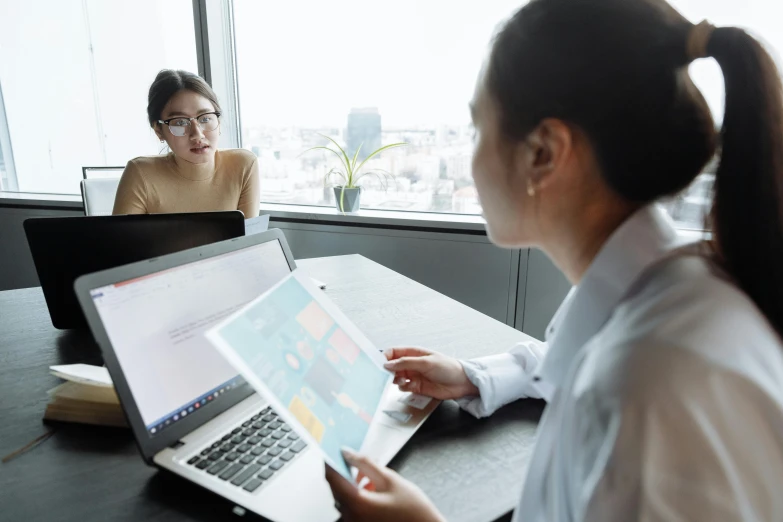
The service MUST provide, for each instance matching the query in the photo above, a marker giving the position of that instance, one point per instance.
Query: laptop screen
(156, 325)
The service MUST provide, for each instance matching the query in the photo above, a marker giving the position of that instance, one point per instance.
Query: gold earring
(531, 189)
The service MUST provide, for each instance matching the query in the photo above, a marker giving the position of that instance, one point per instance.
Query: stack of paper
(86, 397)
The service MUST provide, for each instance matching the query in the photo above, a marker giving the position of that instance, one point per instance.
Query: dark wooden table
(472, 469)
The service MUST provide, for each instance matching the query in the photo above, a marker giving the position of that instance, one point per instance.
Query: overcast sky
(307, 62)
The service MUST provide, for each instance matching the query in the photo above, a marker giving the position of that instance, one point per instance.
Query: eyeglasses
(180, 126)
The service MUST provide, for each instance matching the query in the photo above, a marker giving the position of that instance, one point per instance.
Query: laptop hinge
(177, 445)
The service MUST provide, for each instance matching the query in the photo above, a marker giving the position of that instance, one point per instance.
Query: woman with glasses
(663, 367)
(195, 176)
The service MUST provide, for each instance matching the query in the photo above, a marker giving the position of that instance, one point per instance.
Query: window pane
(75, 76)
(370, 73)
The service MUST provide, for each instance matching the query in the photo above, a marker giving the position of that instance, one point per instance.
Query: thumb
(406, 351)
(379, 476)
(416, 364)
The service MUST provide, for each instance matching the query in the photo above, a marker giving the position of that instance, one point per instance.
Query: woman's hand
(429, 373)
(387, 497)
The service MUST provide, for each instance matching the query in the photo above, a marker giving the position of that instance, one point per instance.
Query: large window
(364, 72)
(74, 76)
(359, 71)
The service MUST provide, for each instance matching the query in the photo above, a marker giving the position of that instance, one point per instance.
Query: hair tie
(698, 38)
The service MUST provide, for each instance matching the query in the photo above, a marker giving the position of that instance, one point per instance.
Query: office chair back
(101, 172)
(98, 195)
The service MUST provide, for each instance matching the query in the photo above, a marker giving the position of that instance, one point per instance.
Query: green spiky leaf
(344, 158)
(356, 155)
(378, 151)
(323, 148)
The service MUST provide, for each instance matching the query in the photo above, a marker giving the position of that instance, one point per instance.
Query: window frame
(216, 58)
(7, 151)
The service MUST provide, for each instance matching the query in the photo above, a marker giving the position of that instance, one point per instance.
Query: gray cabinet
(538, 299)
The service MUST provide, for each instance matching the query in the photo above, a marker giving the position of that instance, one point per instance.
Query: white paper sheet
(256, 225)
(83, 373)
(320, 373)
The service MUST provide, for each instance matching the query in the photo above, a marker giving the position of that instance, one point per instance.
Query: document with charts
(299, 351)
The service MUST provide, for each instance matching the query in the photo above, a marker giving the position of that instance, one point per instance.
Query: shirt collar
(644, 238)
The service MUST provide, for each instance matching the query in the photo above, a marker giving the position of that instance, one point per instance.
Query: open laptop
(189, 410)
(65, 248)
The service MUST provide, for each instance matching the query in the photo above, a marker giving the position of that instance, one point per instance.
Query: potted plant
(347, 192)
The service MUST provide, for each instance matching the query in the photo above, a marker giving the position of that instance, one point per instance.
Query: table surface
(472, 469)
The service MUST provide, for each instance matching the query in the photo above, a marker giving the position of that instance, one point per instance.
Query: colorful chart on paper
(311, 365)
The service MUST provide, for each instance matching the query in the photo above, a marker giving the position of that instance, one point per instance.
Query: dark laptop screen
(65, 248)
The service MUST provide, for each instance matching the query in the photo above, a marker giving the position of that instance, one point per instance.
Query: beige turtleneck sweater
(161, 184)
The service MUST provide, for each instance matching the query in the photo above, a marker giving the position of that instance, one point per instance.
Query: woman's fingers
(408, 382)
(363, 481)
(343, 491)
(377, 475)
(406, 351)
(412, 386)
(416, 364)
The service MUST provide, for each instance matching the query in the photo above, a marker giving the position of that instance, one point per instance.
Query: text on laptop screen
(156, 325)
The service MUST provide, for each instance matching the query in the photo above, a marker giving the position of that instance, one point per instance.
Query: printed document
(299, 351)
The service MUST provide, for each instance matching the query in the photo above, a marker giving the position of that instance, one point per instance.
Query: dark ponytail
(747, 214)
(618, 71)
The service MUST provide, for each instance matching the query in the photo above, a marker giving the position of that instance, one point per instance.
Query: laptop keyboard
(252, 453)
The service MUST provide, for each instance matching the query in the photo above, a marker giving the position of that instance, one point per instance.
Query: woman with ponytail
(663, 368)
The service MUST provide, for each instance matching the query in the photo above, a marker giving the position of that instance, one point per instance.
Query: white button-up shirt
(665, 391)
